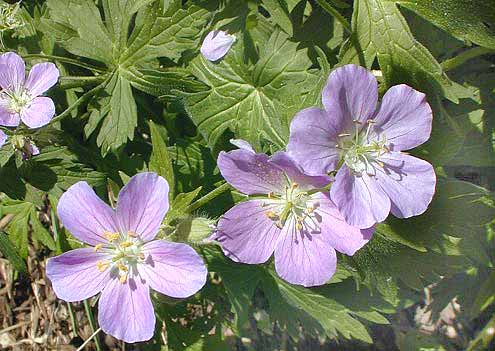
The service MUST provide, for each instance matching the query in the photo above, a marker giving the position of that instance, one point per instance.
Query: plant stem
(207, 198)
(72, 317)
(92, 324)
(332, 11)
(66, 60)
(464, 56)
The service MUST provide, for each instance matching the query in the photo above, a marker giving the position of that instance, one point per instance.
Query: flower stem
(464, 56)
(72, 317)
(66, 60)
(92, 324)
(207, 198)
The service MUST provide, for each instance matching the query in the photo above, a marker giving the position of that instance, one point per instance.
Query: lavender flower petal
(142, 205)
(340, 235)
(125, 310)
(3, 138)
(216, 45)
(7, 118)
(246, 234)
(74, 274)
(85, 215)
(359, 199)
(39, 112)
(304, 258)
(173, 269)
(351, 93)
(42, 77)
(296, 173)
(404, 118)
(312, 141)
(408, 181)
(12, 71)
(250, 173)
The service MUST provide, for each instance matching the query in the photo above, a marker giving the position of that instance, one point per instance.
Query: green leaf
(179, 206)
(160, 161)
(9, 251)
(467, 20)
(485, 296)
(280, 14)
(18, 228)
(40, 233)
(255, 103)
(78, 27)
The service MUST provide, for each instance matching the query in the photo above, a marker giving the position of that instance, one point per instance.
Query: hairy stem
(65, 60)
(92, 324)
(207, 198)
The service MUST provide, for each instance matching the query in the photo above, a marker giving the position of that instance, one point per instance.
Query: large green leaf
(255, 103)
(468, 20)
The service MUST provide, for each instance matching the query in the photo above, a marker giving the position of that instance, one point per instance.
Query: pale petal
(74, 274)
(42, 77)
(359, 199)
(85, 215)
(7, 118)
(39, 112)
(12, 71)
(246, 234)
(125, 310)
(404, 118)
(142, 205)
(3, 138)
(173, 269)
(408, 181)
(216, 45)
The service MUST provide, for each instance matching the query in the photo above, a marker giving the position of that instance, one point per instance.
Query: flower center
(294, 205)
(359, 153)
(125, 252)
(17, 100)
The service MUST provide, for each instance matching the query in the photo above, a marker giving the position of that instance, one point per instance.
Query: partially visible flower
(3, 138)
(25, 145)
(375, 176)
(125, 261)
(20, 97)
(290, 218)
(216, 45)
(9, 18)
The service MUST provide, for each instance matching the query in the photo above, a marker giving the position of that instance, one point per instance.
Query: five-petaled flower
(375, 176)
(20, 97)
(125, 260)
(216, 45)
(290, 217)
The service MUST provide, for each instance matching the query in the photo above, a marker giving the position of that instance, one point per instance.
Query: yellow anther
(123, 278)
(111, 236)
(98, 247)
(132, 234)
(102, 265)
(370, 121)
(279, 225)
(294, 185)
(126, 244)
(141, 255)
(122, 267)
(310, 209)
(272, 215)
(343, 135)
(357, 121)
(299, 225)
(380, 164)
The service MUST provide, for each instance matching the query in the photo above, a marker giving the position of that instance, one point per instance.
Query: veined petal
(312, 141)
(85, 215)
(359, 199)
(7, 118)
(341, 236)
(408, 181)
(173, 269)
(296, 173)
(125, 310)
(39, 112)
(75, 276)
(304, 258)
(404, 118)
(142, 205)
(246, 234)
(351, 93)
(216, 45)
(12, 71)
(42, 77)
(250, 173)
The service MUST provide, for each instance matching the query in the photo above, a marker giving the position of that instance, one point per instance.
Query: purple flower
(216, 45)
(20, 97)
(3, 138)
(375, 177)
(125, 261)
(289, 217)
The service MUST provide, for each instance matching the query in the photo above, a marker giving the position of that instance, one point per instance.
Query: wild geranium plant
(138, 218)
